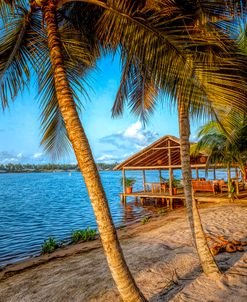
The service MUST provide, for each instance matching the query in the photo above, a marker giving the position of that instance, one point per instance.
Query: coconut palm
(168, 56)
(60, 55)
(169, 37)
(160, 34)
(222, 148)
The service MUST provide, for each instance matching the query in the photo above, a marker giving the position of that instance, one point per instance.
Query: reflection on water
(38, 205)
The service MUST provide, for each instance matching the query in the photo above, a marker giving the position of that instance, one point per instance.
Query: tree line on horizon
(15, 168)
(191, 52)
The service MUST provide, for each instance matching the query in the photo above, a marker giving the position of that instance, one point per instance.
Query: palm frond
(77, 62)
(18, 50)
(166, 42)
(137, 89)
(218, 146)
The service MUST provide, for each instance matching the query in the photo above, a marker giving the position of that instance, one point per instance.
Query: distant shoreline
(48, 168)
(38, 171)
(48, 171)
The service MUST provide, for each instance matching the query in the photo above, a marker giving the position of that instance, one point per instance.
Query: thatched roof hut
(162, 154)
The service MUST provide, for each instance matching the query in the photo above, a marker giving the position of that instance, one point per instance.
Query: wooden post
(143, 199)
(144, 180)
(170, 169)
(123, 198)
(237, 188)
(123, 175)
(197, 175)
(168, 203)
(170, 180)
(171, 204)
(214, 173)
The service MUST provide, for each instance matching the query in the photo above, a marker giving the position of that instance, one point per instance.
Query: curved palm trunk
(209, 266)
(120, 272)
(243, 171)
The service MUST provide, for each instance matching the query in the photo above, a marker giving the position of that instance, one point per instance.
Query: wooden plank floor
(200, 196)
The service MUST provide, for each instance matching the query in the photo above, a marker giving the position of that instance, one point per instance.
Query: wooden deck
(167, 199)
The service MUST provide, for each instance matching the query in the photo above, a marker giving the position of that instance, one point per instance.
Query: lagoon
(34, 206)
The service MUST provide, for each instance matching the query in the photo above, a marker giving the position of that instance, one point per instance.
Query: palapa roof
(162, 154)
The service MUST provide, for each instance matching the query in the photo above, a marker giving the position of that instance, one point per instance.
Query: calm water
(38, 205)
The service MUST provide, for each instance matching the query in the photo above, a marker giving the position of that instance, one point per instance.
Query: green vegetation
(185, 51)
(49, 245)
(145, 219)
(162, 179)
(83, 235)
(106, 167)
(27, 168)
(129, 182)
(223, 149)
(176, 183)
(162, 211)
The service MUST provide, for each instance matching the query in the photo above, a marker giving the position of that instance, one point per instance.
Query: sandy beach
(160, 255)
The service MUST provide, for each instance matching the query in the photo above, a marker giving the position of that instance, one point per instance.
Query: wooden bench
(203, 186)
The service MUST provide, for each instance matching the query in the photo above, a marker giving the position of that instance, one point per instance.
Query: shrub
(145, 219)
(162, 211)
(129, 182)
(83, 235)
(49, 245)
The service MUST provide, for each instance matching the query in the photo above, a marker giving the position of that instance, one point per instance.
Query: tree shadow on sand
(176, 284)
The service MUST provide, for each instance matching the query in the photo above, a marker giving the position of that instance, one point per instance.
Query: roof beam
(168, 147)
(200, 166)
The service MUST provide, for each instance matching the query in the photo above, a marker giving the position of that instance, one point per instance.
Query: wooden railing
(155, 187)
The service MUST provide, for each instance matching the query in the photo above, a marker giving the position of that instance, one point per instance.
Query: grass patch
(49, 245)
(145, 219)
(162, 211)
(83, 235)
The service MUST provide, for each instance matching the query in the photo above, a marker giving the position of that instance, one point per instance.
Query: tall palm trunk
(242, 169)
(120, 272)
(209, 266)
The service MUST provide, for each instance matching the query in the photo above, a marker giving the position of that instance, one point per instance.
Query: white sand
(160, 255)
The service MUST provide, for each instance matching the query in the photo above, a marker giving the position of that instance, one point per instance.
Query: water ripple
(38, 205)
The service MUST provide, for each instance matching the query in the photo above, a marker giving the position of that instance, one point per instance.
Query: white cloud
(134, 136)
(37, 155)
(106, 157)
(125, 143)
(133, 130)
(109, 158)
(10, 157)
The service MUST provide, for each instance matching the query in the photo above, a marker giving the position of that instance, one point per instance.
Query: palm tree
(222, 148)
(194, 66)
(170, 40)
(24, 44)
(170, 37)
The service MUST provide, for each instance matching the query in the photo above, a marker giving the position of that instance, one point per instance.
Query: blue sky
(111, 139)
